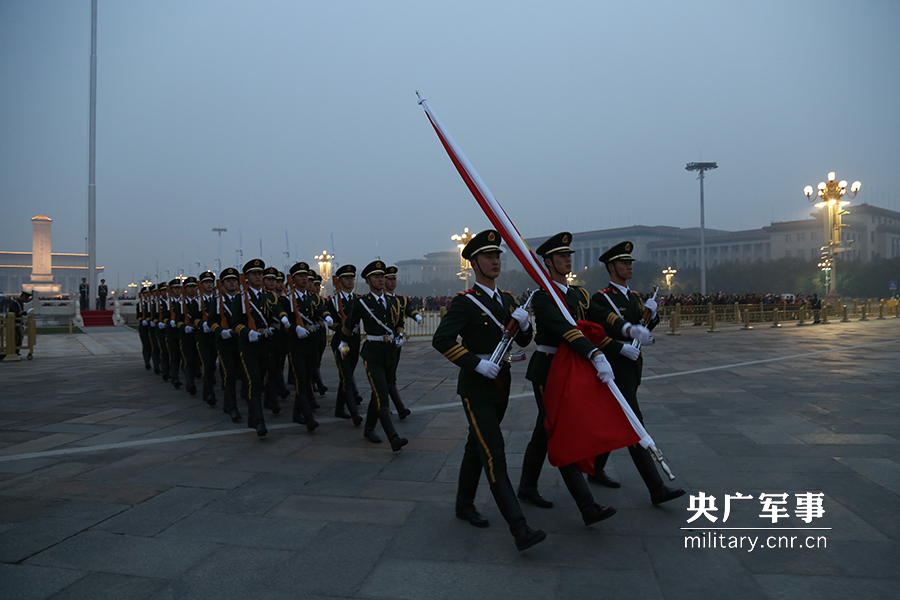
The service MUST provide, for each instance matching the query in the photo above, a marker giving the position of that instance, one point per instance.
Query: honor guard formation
(248, 325)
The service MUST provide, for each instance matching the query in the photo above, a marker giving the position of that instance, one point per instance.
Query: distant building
(42, 271)
(873, 232)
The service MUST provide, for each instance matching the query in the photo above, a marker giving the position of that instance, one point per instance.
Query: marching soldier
(390, 284)
(206, 339)
(260, 311)
(160, 322)
(172, 334)
(304, 315)
(275, 379)
(553, 330)
(340, 305)
(190, 312)
(225, 308)
(142, 310)
(380, 319)
(618, 303)
(479, 316)
(320, 335)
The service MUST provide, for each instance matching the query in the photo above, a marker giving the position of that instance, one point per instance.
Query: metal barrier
(12, 337)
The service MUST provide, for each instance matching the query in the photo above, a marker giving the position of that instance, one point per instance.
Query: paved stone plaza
(115, 485)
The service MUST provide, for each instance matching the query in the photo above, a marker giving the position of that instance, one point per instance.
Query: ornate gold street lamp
(464, 266)
(830, 195)
(324, 261)
(669, 272)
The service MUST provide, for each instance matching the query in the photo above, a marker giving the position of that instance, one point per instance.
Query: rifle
(184, 307)
(143, 301)
(509, 332)
(223, 322)
(245, 293)
(203, 307)
(645, 318)
(169, 300)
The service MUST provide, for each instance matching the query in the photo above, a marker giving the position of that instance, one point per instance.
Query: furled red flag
(501, 221)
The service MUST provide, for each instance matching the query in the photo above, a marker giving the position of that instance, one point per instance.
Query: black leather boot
(394, 393)
(465, 510)
(469, 474)
(646, 466)
(600, 477)
(525, 536)
(591, 512)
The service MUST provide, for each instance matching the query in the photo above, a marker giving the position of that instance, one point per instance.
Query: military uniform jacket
(313, 311)
(380, 351)
(102, 290)
(229, 308)
(83, 290)
(142, 309)
(264, 307)
(479, 333)
(631, 307)
(553, 329)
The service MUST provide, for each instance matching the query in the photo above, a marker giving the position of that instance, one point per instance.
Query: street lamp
(702, 167)
(324, 260)
(461, 241)
(830, 195)
(825, 265)
(219, 230)
(669, 272)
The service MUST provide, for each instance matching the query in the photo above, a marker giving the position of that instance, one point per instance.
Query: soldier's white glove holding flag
(301, 332)
(604, 371)
(630, 352)
(636, 332)
(521, 315)
(651, 304)
(488, 369)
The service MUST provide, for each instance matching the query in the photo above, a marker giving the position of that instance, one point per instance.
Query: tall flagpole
(92, 178)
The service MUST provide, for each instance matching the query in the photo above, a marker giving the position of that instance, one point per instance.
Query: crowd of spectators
(722, 298)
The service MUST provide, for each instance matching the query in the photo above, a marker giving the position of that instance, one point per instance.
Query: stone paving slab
(115, 485)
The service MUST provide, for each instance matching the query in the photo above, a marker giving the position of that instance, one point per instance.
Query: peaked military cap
(229, 273)
(207, 276)
(376, 267)
(621, 251)
(314, 276)
(270, 273)
(150, 288)
(488, 240)
(391, 272)
(557, 244)
(190, 281)
(161, 285)
(345, 270)
(256, 264)
(175, 283)
(301, 268)
(280, 276)
(26, 294)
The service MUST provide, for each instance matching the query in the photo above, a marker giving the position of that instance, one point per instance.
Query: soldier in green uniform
(320, 335)
(553, 330)
(406, 311)
(225, 306)
(142, 310)
(619, 303)
(206, 339)
(379, 316)
(160, 322)
(275, 386)
(479, 316)
(190, 311)
(340, 306)
(173, 341)
(260, 311)
(305, 315)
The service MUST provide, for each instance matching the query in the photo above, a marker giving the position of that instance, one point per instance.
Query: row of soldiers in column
(469, 335)
(255, 321)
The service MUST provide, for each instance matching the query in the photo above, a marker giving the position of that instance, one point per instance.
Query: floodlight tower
(702, 167)
(219, 230)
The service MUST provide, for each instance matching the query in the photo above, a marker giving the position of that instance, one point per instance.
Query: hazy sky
(268, 116)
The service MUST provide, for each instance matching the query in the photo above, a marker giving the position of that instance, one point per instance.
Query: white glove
(253, 336)
(161, 325)
(636, 332)
(418, 319)
(329, 321)
(188, 329)
(144, 322)
(206, 328)
(301, 332)
(398, 341)
(28, 312)
(521, 315)
(604, 371)
(172, 324)
(629, 352)
(343, 348)
(226, 334)
(651, 304)
(488, 369)
(285, 322)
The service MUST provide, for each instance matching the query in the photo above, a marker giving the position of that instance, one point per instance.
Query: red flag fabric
(584, 418)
